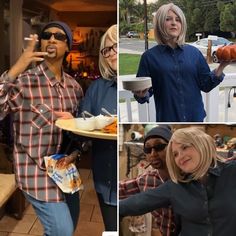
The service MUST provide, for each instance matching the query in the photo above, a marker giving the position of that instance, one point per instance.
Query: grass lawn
(128, 63)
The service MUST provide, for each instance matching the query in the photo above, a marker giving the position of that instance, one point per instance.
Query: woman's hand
(141, 93)
(220, 68)
(63, 115)
(26, 58)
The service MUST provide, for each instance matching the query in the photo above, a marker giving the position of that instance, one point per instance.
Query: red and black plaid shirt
(163, 217)
(32, 98)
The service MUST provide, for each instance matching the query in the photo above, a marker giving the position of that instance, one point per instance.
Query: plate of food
(136, 84)
(89, 128)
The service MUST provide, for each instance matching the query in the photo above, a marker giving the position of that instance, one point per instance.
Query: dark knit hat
(63, 26)
(161, 131)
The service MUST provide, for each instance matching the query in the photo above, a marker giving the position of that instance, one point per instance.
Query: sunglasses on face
(58, 36)
(106, 52)
(157, 148)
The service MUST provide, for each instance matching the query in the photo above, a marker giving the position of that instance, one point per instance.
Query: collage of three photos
(117, 118)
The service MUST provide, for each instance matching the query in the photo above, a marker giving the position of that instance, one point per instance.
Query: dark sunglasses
(157, 148)
(58, 36)
(106, 52)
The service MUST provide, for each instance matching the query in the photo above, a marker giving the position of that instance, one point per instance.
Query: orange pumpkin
(226, 53)
(233, 52)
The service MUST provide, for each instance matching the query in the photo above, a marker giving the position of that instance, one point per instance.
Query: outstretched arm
(145, 202)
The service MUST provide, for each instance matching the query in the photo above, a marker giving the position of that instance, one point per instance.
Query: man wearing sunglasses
(154, 147)
(35, 97)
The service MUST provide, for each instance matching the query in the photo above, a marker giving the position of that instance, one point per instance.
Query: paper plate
(138, 83)
(69, 124)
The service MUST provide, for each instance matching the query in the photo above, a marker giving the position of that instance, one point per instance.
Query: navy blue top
(103, 93)
(178, 77)
(204, 209)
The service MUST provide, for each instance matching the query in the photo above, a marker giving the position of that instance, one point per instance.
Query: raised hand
(220, 68)
(28, 56)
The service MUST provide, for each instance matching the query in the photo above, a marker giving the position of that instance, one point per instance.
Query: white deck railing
(215, 103)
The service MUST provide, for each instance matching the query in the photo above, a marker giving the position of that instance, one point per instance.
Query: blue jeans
(57, 218)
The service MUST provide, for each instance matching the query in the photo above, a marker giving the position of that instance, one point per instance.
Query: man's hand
(63, 115)
(65, 161)
(26, 58)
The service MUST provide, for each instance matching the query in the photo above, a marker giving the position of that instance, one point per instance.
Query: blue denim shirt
(178, 77)
(103, 93)
(204, 210)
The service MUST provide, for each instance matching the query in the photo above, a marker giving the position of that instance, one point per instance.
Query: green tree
(126, 7)
(202, 16)
(228, 17)
(212, 20)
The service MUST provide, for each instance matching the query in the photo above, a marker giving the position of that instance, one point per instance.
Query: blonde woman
(202, 189)
(179, 71)
(103, 93)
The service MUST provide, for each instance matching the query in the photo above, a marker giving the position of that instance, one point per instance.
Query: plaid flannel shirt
(163, 217)
(32, 98)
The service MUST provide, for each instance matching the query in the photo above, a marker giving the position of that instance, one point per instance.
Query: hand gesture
(26, 58)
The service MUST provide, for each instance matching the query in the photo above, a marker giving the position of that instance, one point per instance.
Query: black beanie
(161, 131)
(64, 27)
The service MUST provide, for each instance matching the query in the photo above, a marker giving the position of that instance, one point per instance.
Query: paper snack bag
(67, 179)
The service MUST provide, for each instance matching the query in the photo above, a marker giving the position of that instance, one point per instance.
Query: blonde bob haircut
(106, 71)
(205, 146)
(159, 19)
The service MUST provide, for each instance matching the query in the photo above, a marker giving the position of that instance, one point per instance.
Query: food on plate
(111, 128)
(93, 123)
(101, 121)
(87, 124)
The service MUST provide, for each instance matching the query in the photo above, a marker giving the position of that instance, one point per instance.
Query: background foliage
(204, 16)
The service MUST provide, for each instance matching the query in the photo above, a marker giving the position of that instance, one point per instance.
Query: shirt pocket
(41, 116)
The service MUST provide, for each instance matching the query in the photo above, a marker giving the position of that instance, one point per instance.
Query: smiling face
(172, 25)
(186, 157)
(156, 157)
(56, 48)
(112, 59)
